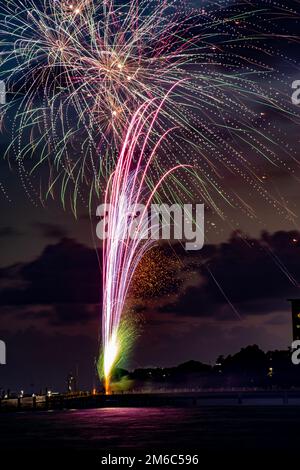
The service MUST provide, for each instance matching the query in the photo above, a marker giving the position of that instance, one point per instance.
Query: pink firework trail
(127, 240)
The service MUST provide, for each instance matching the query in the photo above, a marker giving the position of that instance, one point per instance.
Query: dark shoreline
(154, 399)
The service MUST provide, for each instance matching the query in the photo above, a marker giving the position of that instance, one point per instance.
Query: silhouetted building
(296, 318)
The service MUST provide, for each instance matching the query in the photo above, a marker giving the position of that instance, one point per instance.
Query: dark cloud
(64, 314)
(66, 276)
(52, 231)
(254, 275)
(72, 313)
(8, 232)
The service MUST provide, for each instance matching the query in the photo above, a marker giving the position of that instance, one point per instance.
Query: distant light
(295, 240)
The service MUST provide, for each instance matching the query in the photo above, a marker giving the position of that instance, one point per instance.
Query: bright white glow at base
(110, 354)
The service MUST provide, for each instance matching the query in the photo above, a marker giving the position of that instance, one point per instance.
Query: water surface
(159, 429)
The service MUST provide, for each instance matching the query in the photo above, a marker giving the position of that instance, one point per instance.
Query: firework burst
(80, 69)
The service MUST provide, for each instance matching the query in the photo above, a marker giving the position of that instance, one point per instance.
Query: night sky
(193, 305)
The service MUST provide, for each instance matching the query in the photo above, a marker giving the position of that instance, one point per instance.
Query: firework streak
(127, 240)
